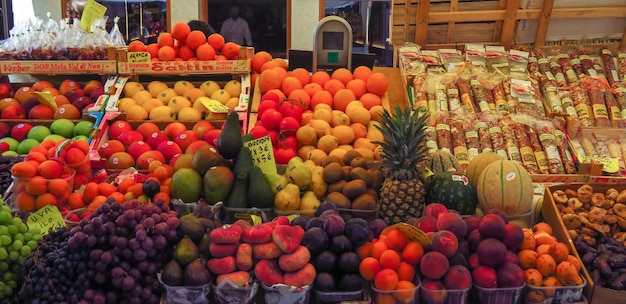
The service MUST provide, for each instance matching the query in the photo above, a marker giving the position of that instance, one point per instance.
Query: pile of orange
(389, 263)
(184, 44)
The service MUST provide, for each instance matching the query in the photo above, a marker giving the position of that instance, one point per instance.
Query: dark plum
(340, 244)
(334, 225)
(316, 240)
(325, 261)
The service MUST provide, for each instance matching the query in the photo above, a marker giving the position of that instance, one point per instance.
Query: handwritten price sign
(45, 219)
(263, 154)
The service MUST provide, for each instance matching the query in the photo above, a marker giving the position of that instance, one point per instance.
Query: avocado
(260, 193)
(238, 197)
(244, 161)
(230, 140)
(248, 137)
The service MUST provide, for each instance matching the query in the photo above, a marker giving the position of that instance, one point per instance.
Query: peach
(435, 210)
(559, 252)
(222, 250)
(244, 257)
(473, 261)
(529, 241)
(527, 258)
(454, 223)
(472, 223)
(546, 264)
(303, 277)
(434, 265)
(492, 226)
(513, 236)
(458, 277)
(542, 226)
(239, 278)
(567, 274)
(542, 237)
(386, 279)
(50, 169)
(406, 292)
(413, 253)
(294, 261)
(434, 291)
(24, 169)
(287, 237)
(511, 257)
(426, 223)
(533, 277)
(510, 275)
(222, 265)
(390, 259)
(227, 234)
(266, 251)
(491, 252)
(445, 242)
(257, 234)
(396, 240)
(369, 267)
(406, 272)
(268, 272)
(485, 277)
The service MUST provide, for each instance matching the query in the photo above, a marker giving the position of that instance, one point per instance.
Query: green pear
(311, 164)
(277, 181)
(288, 198)
(309, 203)
(298, 173)
(318, 184)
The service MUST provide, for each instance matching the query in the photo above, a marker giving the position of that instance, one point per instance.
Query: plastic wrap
(533, 66)
(431, 139)
(467, 99)
(552, 98)
(452, 60)
(540, 154)
(479, 96)
(442, 130)
(621, 67)
(518, 61)
(566, 156)
(512, 149)
(454, 102)
(482, 128)
(115, 35)
(614, 110)
(544, 68)
(525, 148)
(568, 104)
(545, 130)
(475, 54)
(589, 147)
(598, 105)
(610, 69)
(497, 59)
(472, 141)
(582, 106)
(498, 142)
(570, 75)
(557, 71)
(459, 148)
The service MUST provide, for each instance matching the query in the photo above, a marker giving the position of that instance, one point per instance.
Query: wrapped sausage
(610, 69)
(518, 61)
(471, 141)
(568, 104)
(621, 67)
(522, 92)
(482, 129)
(420, 98)
(544, 68)
(622, 147)
(497, 59)
(500, 97)
(459, 148)
(533, 66)
(545, 129)
(582, 106)
(431, 140)
(587, 66)
(488, 92)
(600, 112)
(442, 130)
(616, 152)
(432, 103)
(465, 93)
(566, 65)
(557, 71)
(510, 141)
(620, 98)
(552, 98)
(540, 155)
(479, 96)
(441, 98)
(589, 147)
(566, 156)
(497, 138)
(577, 148)
(577, 67)
(602, 148)
(614, 111)
(525, 148)
(511, 102)
(453, 97)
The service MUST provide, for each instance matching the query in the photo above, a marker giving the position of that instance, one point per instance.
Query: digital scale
(332, 44)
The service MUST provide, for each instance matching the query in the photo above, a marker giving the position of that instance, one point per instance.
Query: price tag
(45, 98)
(411, 232)
(138, 57)
(92, 12)
(45, 219)
(610, 164)
(262, 154)
(256, 219)
(214, 106)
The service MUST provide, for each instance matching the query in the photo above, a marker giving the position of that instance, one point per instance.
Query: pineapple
(403, 192)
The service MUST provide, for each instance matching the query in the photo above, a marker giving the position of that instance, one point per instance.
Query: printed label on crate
(185, 67)
(263, 154)
(58, 67)
(45, 219)
(138, 57)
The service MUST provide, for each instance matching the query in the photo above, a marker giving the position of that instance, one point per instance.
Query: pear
(288, 198)
(298, 173)
(277, 181)
(311, 164)
(318, 184)
(309, 202)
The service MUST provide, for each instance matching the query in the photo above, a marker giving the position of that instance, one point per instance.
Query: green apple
(54, 137)
(25, 146)
(84, 127)
(13, 143)
(63, 127)
(9, 153)
(38, 133)
(80, 137)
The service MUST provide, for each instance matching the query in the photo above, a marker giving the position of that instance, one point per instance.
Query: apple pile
(137, 148)
(20, 138)
(183, 101)
(333, 243)
(70, 99)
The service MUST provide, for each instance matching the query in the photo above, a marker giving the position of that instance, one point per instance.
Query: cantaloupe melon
(507, 186)
(478, 164)
(442, 161)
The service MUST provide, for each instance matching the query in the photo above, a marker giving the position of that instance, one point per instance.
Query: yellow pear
(162, 113)
(189, 114)
(318, 184)
(298, 173)
(309, 203)
(288, 198)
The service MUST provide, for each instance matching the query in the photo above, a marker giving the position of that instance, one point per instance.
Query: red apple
(68, 85)
(96, 93)
(174, 159)
(19, 131)
(135, 149)
(118, 127)
(92, 85)
(201, 127)
(5, 90)
(13, 112)
(129, 137)
(74, 94)
(82, 102)
(185, 139)
(146, 158)
(41, 111)
(29, 104)
(155, 139)
(191, 149)
(169, 149)
(147, 128)
(211, 136)
(5, 130)
(173, 129)
(108, 148)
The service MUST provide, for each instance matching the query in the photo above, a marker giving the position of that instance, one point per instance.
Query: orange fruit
(281, 72)
(162, 195)
(45, 199)
(195, 39)
(369, 267)
(25, 202)
(342, 98)
(278, 92)
(96, 202)
(205, 52)
(40, 85)
(75, 200)
(36, 155)
(370, 99)
(268, 80)
(386, 279)
(357, 86)
(165, 39)
(342, 74)
(58, 187)
(136, 46)
(166, 53)
(216, 41)
(106, 189)
(364, 250)
(396, 240)
(362, 72)
(389, 259)
(269, 65)
(378, 248)
(412, 253)
(231, 50)
(406, 271)
(312, 88)
(405, 291)
(320, 78)
(259, 59)
(161, 174)
(377, 84)
(136, 189)
(118, 197)
(60, 100)
(36, 185)
(180, 30)
(302, 96)
(321, 97)
(123, 186)
(281, 63)
(24, 170)
(90, 192)
(186, 53)
(290, 84)
(153, 49)
(333, 85)
(302, 74)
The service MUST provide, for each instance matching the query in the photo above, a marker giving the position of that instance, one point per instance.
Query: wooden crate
(61, 67)
(437, 24)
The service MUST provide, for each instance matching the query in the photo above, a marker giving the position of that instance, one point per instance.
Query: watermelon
(453, 190)
(505, 185)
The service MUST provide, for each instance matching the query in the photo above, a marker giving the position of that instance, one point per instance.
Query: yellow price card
(138, 57)
(45, 219)
(263, 154)
(92, 12)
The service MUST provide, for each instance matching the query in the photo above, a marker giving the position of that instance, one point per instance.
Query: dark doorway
(6, 17)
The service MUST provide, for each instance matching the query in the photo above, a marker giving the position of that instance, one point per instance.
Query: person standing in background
(235, 29)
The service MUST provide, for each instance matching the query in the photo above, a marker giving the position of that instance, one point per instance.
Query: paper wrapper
(229, 293)
(285, 294)
(186, 294)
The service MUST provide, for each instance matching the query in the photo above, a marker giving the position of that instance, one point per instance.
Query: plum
(316, 240)
(349, 262)
(315, 222)
(357, 230)
(334, 225)
(301, 221)
(325, 205)
(377, 226)
(340, 244)
(325, 261)
(324, 282)
(350, 282)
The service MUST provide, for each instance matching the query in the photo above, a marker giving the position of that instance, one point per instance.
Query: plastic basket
(511, 295)
(83, 172)
(62, 190)
(337, 296)
(284, 294)
(404, 296)
(231, 215)
(446, 296)
(561, 294)
(309, 213)
(185, 294)
(226, 293)
(368, 215)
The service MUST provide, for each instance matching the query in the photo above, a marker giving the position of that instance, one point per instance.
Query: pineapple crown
(403, 148)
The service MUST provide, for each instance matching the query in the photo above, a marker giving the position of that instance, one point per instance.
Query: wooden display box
(595, 294)
(61, 67)
(451, 23)
(210, 67)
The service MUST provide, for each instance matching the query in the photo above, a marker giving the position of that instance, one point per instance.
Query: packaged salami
(496, 137)
(545, 130)
(420, 97)
(454, 101)
(561, 144)
(497, 59)
(587, 65)
(499, 95)
(511, 102)
(479, 96)
(442, 131)
(589, 147)
(616, 152)
(525, 148)
(621, 67)
(544, 68)
(459, 148)
(512, 150)
(577, 147)
(620, 97)
(540, 154)
(452, 60)
(472, 142)
(567, 103)
(518, 61)
(467, 99)
(610, 69)
(557, 71)
(598, 105)
(475, 54)
(482, 128)
(441, 98)
(614, 110)
(552, 98)
(582, 106)
(533, 66)
(570, 75)
(522, 92)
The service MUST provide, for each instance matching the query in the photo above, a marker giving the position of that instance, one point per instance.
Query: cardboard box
(595, 294)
